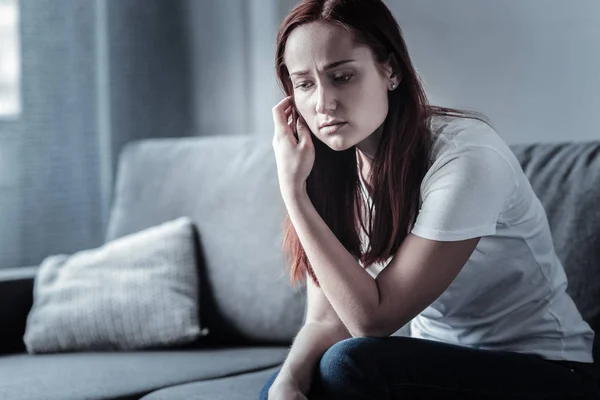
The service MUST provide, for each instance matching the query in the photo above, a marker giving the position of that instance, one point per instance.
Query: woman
(402, 212)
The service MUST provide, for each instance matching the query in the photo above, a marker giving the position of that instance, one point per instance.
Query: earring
(393, 86)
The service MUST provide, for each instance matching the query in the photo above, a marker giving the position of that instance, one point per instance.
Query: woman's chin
(339, 143)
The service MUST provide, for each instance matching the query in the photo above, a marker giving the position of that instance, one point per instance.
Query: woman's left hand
(295, 158)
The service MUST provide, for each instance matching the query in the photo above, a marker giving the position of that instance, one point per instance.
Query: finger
(303, 132)
(290, 116)
(283, 127)
(279, 116)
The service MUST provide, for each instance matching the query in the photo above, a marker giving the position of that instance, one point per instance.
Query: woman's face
(338, 87)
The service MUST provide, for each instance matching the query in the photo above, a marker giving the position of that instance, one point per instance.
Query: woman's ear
(392, 70)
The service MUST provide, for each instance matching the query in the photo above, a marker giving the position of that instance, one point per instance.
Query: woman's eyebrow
(328, 66)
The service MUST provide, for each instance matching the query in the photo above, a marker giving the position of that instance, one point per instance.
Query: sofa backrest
(228, 186)
(566, 179)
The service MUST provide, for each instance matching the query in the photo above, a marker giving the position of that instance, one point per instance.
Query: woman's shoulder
(453, 135)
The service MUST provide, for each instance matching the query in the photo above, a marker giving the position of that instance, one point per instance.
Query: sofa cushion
(136, 292)
(228, 186)
(239, 387)
(566, 178)
(123, 375)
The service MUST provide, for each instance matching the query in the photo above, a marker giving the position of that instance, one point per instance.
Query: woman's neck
(364, 163)
(368, 147)
(365, 153)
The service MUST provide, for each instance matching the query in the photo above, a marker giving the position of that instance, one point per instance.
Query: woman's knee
(264, 393)
(353, 350)
(358, 366)
(345, 362)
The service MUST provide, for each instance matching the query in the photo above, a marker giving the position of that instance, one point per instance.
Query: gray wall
(530, 65)
(232, 45)
(149, 73)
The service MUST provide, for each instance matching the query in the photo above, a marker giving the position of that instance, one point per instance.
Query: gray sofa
(228, 186)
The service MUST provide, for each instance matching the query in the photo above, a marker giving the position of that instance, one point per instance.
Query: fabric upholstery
(566, 178)
(228, 186)
(123, 375)
(136, 292)
(238, 387)
(213, 180)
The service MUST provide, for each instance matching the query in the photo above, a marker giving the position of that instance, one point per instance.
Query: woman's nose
(326, 100)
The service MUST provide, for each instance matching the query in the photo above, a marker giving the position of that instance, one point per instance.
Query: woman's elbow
(372, 331)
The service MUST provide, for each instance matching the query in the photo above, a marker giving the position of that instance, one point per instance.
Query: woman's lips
(332, 128)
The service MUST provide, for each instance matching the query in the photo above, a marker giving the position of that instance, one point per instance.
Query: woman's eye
(343, 78)
(302, 85)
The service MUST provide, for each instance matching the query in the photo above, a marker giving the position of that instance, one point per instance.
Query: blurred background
(80, 78)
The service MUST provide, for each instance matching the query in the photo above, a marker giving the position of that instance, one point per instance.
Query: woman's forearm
(352, 292)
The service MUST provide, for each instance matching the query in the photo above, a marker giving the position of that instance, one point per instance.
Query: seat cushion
(123, 375)
(240, 387)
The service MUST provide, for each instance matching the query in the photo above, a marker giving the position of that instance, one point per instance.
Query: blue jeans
(410, 368)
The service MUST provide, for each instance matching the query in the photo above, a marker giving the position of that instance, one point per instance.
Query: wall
(232, 46)
(531, 66)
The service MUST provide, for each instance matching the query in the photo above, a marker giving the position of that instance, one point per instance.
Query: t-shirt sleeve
(464, 194)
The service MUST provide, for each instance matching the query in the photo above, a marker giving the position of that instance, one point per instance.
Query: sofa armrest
(16, 299)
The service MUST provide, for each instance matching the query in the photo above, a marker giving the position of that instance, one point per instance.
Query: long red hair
(401, 160)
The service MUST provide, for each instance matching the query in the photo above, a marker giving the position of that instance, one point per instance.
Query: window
(10, 73)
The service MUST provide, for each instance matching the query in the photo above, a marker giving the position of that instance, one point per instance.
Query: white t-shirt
(510, 295)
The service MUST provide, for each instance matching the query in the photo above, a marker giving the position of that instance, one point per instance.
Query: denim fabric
(401, 367)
